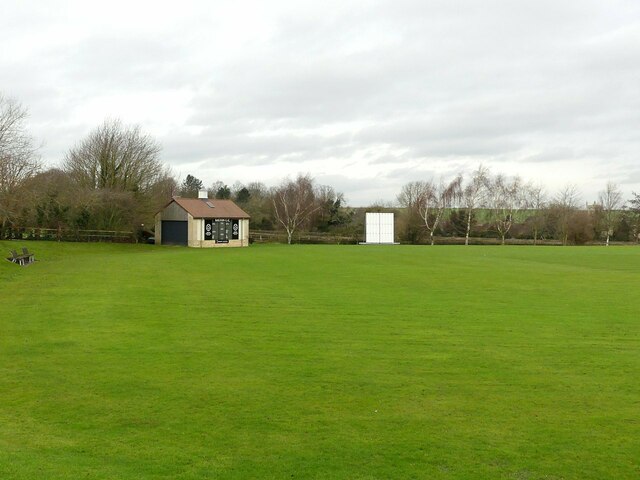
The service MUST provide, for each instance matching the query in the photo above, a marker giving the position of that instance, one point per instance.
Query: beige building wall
(194, 231)
(158, 229)
(196, 235)
(244, 232)
(195, 228)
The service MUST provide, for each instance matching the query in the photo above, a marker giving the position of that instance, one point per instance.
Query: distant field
(328, 362)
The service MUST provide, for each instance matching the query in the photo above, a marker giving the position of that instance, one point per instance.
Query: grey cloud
(395, 82)
(361, 192)
(219, 144)
(108, 63)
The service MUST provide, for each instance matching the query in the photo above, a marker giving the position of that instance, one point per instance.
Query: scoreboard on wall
(221, 229)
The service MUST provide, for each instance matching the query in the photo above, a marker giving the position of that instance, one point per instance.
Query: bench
(24, 259)
(29, 256)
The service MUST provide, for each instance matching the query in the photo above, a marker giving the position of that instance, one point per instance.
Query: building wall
(213, 244)
(175, 212)
(195, 228)
(196, 235)
(158, 229)
(244, 232)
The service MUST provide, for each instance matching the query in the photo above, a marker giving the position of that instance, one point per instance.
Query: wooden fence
(269, 236)
(70, 235)
(255, 236)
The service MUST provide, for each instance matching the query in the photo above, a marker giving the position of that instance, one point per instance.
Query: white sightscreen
(379, 228)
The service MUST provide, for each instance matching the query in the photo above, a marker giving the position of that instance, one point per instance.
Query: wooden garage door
(174, 232)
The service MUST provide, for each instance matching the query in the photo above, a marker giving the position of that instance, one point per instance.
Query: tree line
(294, 205)
(479, 204)
(111, 180)
(114, 180)
(497, 206)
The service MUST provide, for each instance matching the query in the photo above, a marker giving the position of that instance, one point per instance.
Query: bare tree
(411, 194)
(45, 196)
(18, 156)
(116, 157)
(634, 210)
(536, 201)
(506, 199)
(411, 197)
(121, 176)
(213, 189)
(331, 211)
(434, 200)
(565, 204)
(610, 201)
(293, 202)
(474, 195)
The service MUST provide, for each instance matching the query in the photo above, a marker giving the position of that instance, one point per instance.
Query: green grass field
(349, 362)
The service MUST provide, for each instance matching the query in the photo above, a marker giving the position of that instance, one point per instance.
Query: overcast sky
(363, 95)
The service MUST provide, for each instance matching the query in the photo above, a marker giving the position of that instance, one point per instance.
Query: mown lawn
(349, 362)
